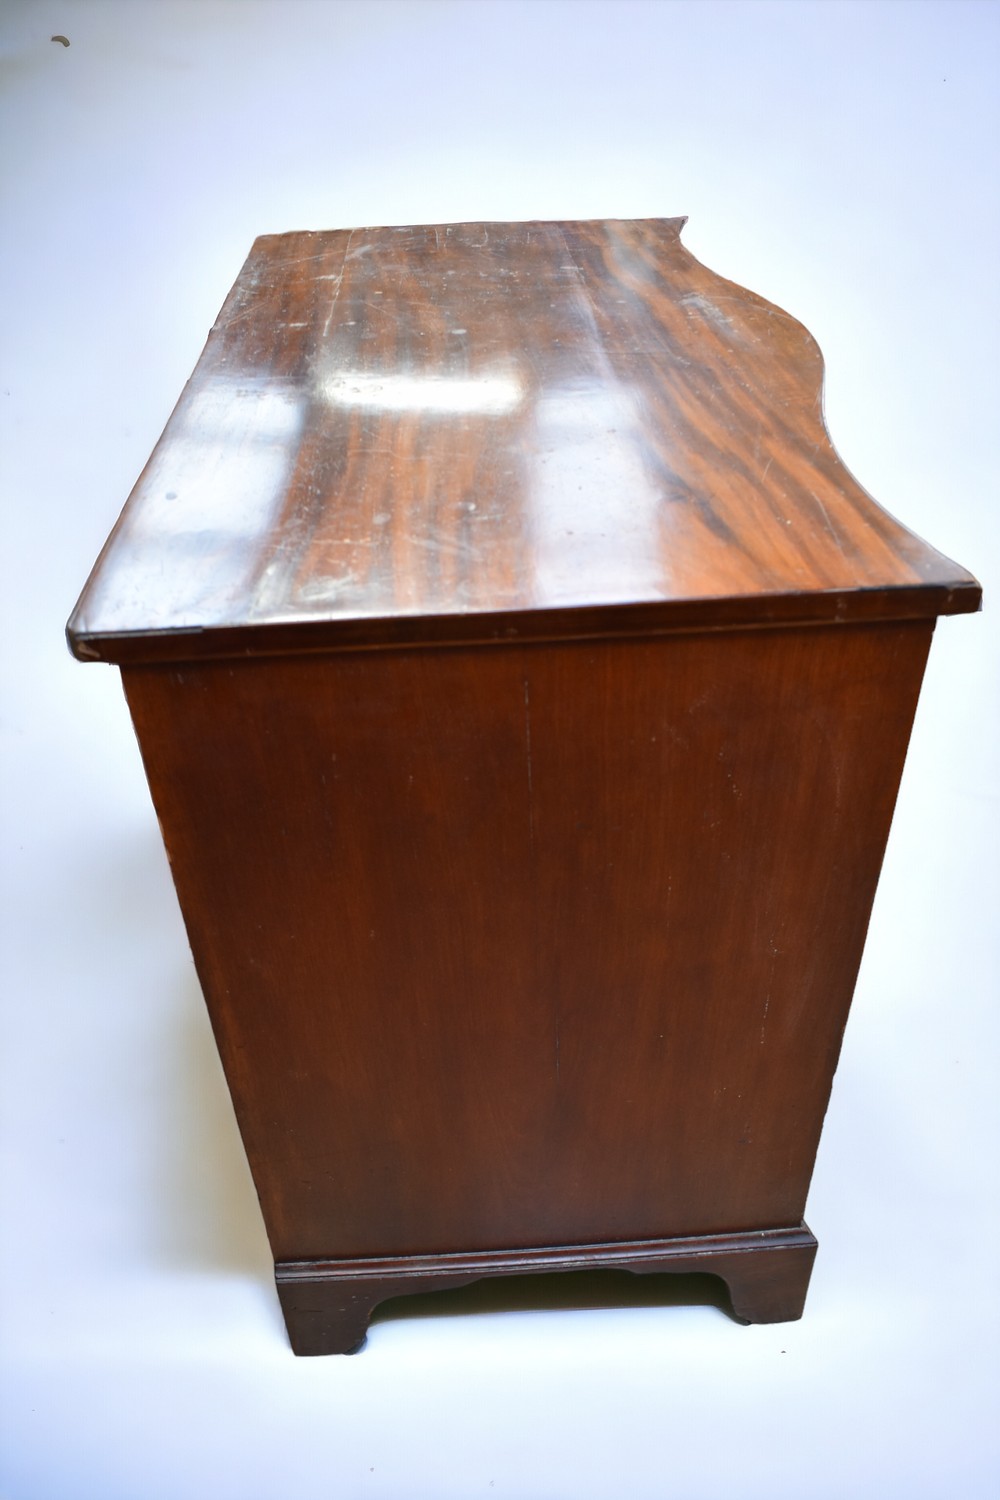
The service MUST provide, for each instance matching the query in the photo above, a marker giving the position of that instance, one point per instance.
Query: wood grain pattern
(495, 431)
(531, 946)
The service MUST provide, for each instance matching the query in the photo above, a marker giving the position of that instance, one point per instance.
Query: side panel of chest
(531, 946)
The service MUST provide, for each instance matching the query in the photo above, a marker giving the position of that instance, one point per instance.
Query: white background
(839, 158)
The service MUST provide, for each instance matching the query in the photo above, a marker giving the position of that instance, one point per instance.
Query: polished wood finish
(494, 431)
(523, 686)
(531, 903)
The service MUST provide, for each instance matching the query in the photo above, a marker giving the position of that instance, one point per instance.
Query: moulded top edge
(869, 606)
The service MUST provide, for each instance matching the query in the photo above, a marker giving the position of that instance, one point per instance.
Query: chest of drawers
(523, 686)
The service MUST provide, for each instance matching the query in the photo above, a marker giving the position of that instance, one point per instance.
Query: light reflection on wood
(490, 421)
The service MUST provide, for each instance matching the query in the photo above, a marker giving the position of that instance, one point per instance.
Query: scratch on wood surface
(527, 746)
(339, 283)
(457, 546)
(829, 524)
(314, 257)
(775, 952)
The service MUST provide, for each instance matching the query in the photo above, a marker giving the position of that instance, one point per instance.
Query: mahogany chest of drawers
(523, 686)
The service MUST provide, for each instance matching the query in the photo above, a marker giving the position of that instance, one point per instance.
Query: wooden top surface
(495, 431)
